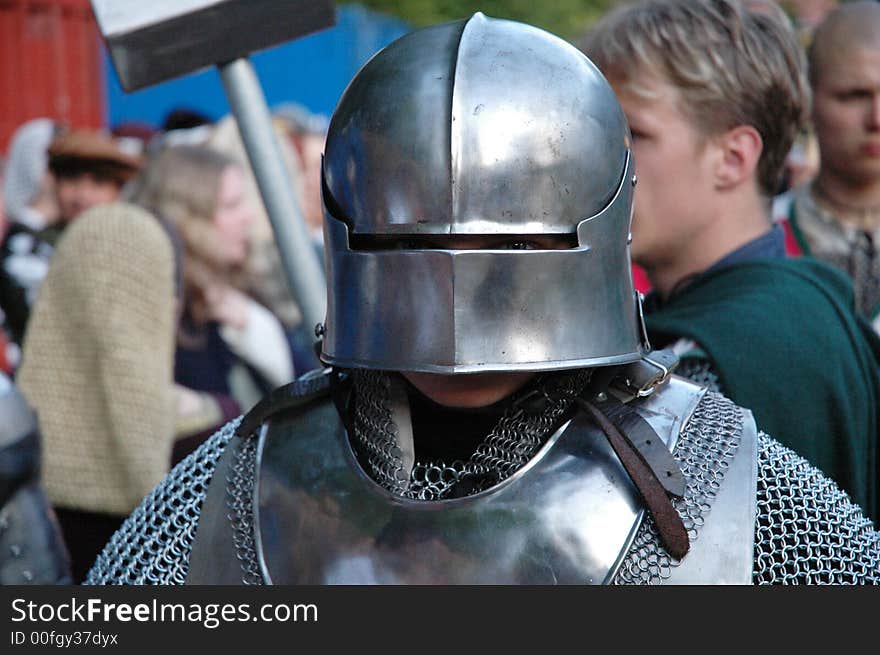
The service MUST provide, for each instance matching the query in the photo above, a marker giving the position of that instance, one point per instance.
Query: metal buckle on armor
(641, 378)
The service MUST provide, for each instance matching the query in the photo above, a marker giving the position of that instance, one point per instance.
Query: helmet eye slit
(372, 242)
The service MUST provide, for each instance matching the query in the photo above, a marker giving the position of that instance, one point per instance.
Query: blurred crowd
(138, 269)
(143, 299)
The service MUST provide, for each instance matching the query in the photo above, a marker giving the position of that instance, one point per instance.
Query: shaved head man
(837, 217)
(845, 75)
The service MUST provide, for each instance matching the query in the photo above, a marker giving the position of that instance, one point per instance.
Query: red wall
(50, 64)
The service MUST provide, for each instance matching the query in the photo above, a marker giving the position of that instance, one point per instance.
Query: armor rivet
(27, 575)
(319, 330)
(601, 396)
(635, 179)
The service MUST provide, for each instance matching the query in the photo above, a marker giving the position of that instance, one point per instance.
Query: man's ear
(740, 150)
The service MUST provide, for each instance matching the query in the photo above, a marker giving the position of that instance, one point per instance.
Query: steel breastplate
(567, 517)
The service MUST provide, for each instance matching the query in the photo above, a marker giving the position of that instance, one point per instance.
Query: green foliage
(567, 18)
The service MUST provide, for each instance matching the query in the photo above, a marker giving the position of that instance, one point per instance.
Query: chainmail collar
(381, 417)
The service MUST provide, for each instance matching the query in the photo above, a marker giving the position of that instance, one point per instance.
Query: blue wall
(312, 71)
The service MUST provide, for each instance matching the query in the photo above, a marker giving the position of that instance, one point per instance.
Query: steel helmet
(482, 127)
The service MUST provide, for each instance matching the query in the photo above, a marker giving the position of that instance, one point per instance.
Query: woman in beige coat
(97, 368)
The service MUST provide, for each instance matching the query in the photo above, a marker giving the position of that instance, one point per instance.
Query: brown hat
(92, 151)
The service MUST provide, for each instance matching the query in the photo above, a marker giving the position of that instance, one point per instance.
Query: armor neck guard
(568, 517)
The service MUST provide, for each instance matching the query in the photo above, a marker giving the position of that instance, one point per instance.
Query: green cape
(785, 341)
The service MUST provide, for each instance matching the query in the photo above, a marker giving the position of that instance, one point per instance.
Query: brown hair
(734, 63)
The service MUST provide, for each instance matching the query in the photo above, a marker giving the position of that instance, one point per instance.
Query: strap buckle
(641, 378)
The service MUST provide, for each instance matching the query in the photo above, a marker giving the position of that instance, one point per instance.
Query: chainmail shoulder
(704, 451)
(699, 371)
(808, 531)
(241, 481)
(154, 544)
(239, 501)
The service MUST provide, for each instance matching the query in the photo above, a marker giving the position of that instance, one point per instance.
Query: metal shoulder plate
(221, 555)
(720, 507)
(570, 516)
(717, 452)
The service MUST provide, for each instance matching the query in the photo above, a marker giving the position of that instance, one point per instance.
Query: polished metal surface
(506, 130)
(560, 521)
(483, 126)
(676, 400)
(716, 510)
(566, 517)
(539, 142)
(724, 550)
(467, 311)
(387, 158)
(150, 42)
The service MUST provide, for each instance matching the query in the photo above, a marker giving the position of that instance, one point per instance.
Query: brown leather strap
(641, 436)
(669, 524)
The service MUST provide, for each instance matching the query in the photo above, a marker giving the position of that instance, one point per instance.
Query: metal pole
(298, 256)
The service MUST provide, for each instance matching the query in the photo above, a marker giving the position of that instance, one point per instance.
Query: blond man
(715, 92)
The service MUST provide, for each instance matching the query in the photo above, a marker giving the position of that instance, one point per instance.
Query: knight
(490, 410)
